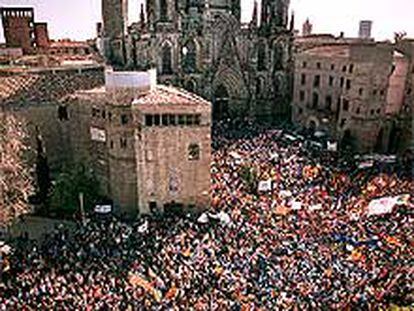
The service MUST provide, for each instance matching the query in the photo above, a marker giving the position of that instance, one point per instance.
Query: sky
(76, 19)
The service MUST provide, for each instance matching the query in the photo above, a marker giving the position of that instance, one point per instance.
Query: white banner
(103, 209)
(98, 134)
(265, 185)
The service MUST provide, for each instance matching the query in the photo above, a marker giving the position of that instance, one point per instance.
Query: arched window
(163, 10)
(277, 58)
(189, 57)
(261, 57)
(193, 152)
(166, 60)
(191, 86)
(259, 87)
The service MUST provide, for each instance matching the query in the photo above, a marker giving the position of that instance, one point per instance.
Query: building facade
(244, 69)
(342, 89)
(149, 144)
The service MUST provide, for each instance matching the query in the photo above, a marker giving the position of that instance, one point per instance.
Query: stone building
(149, 144)
(342, 89)
(202, 46)
(18, 25)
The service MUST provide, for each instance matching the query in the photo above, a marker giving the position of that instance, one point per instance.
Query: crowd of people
(306, 242)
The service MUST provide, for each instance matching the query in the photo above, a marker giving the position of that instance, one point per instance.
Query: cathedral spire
(292, 22)
(142, 17)
(253, 22)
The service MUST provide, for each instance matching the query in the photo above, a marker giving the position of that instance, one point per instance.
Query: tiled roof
(169, 95)
(329, 51)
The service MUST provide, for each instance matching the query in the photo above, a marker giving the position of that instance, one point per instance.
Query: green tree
(16, 182)
(69, 184)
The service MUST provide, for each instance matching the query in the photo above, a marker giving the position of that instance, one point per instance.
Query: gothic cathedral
(203, 47)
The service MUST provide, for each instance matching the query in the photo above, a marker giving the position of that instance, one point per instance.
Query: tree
(68, 185)
(16, 182)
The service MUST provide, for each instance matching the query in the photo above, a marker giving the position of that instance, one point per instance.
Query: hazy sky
(76, 19)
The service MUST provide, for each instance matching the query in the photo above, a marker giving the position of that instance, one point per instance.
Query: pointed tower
(236, 9)
(253, 22)
(142, 23)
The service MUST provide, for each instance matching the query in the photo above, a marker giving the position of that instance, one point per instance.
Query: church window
(259, 86)
(194, 152)
(328, 102)
(278, 57)
(261, 57)
(318, 65)
(348, 84)
(190, 57)
(166, 60)
(163, 10)
(331, 80)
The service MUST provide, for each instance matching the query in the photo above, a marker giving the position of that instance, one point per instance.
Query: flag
(138, 281)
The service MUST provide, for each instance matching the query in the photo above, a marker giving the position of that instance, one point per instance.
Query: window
(124, 119)
(111, 144)
(163, 10)
(375, 92)
(358, 111)
(351, 68)
(345, 105)
(95, 112)
(103, 114)
(300, 111)
(315, 100)
(382, 92)
(172, 120)
(302, 96)
(342, 81)
(329, 102)
(157, 119)
(318, 65)
(317, 81)
(63, 113)
(181, 119)
(166, 60)
(331, 81)
(348, 84)
(164, 118)
(378, 111)
(123, 143)
(261, 57)
(109, 116)
(344, 69)
(303, 79)
(189, 119)
(278, 57)
(332, 67)
(372, 111)
(343, 122)
(194, 152)
(189, 62)
(304, 64)
(361, 91)
(149, 121)
(197, 119)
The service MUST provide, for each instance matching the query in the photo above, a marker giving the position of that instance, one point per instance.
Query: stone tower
(115, 23)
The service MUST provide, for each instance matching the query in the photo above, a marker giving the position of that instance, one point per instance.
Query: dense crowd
(305, 243)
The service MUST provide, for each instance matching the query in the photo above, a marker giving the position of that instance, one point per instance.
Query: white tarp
(98, 134)
(144, 227)
(285, 193)
(103, 209)
(265, 185)
(381, 206)
(296, 205)
(385, 205)
(332, 146)
(366, 164)
(203, 219)
(315, 207)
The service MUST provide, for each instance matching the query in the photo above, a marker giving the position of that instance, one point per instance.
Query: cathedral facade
(202, 46)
